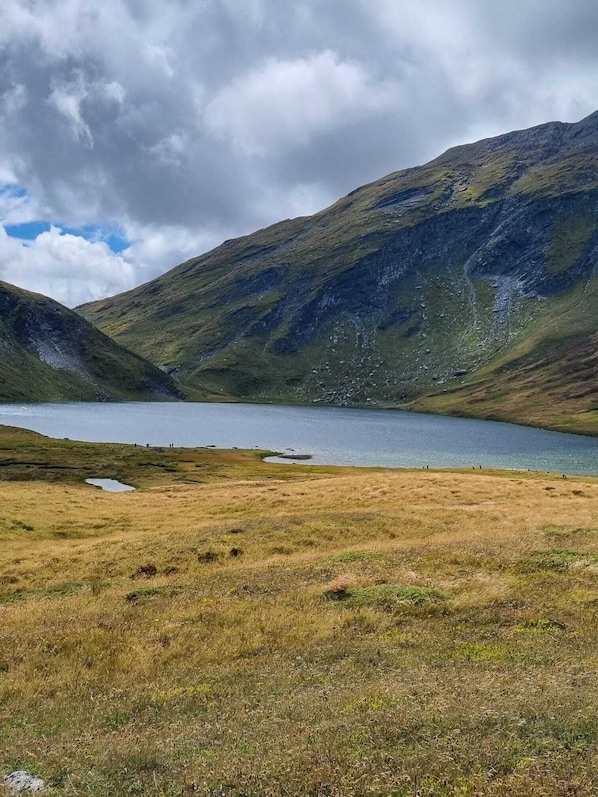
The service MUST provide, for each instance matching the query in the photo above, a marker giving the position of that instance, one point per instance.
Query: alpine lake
(322, 435)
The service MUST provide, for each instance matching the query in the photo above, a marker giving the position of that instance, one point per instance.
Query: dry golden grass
(281, 630)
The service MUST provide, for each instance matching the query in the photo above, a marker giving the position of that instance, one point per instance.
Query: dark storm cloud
(184, 123)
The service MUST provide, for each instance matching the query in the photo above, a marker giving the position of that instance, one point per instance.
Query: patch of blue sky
(14, 196)
(115, 238)
(29, 230)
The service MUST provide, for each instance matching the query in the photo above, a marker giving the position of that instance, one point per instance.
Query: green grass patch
(51, 591)
(484, 652)
(386, 597)
(542, 625)
(571, 236)
(355, 556)
(558, 560)
(566, 532)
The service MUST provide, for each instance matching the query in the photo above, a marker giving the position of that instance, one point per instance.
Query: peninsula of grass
(240, 628)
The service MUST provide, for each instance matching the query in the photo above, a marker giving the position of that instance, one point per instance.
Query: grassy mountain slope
(468, 279)
(546, 381)
(49, 353)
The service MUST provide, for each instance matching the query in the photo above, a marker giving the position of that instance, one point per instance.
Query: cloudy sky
(137, 133)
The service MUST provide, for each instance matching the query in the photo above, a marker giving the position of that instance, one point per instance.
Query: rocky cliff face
(51, 353)
(422, 283)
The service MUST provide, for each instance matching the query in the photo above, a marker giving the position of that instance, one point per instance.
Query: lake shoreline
(331, 435)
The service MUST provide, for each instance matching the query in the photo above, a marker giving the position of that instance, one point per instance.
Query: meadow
(236, 628)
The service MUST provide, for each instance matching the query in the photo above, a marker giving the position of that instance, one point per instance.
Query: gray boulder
(21, 782)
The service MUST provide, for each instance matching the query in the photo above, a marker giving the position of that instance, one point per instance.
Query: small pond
(110, 485)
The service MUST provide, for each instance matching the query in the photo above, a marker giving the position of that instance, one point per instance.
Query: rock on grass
(21, 782)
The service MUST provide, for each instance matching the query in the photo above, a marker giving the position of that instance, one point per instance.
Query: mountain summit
(465, 285)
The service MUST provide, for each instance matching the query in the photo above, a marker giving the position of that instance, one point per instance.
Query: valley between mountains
(467, 285)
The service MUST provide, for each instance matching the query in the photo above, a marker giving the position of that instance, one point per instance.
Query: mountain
(468, 285)
(49, 353)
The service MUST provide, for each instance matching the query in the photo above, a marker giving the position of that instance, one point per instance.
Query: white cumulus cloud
(66, 267)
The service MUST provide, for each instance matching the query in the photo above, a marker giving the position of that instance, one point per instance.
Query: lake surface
(336, 436)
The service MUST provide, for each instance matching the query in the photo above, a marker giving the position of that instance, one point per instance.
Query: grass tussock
(377, 632)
